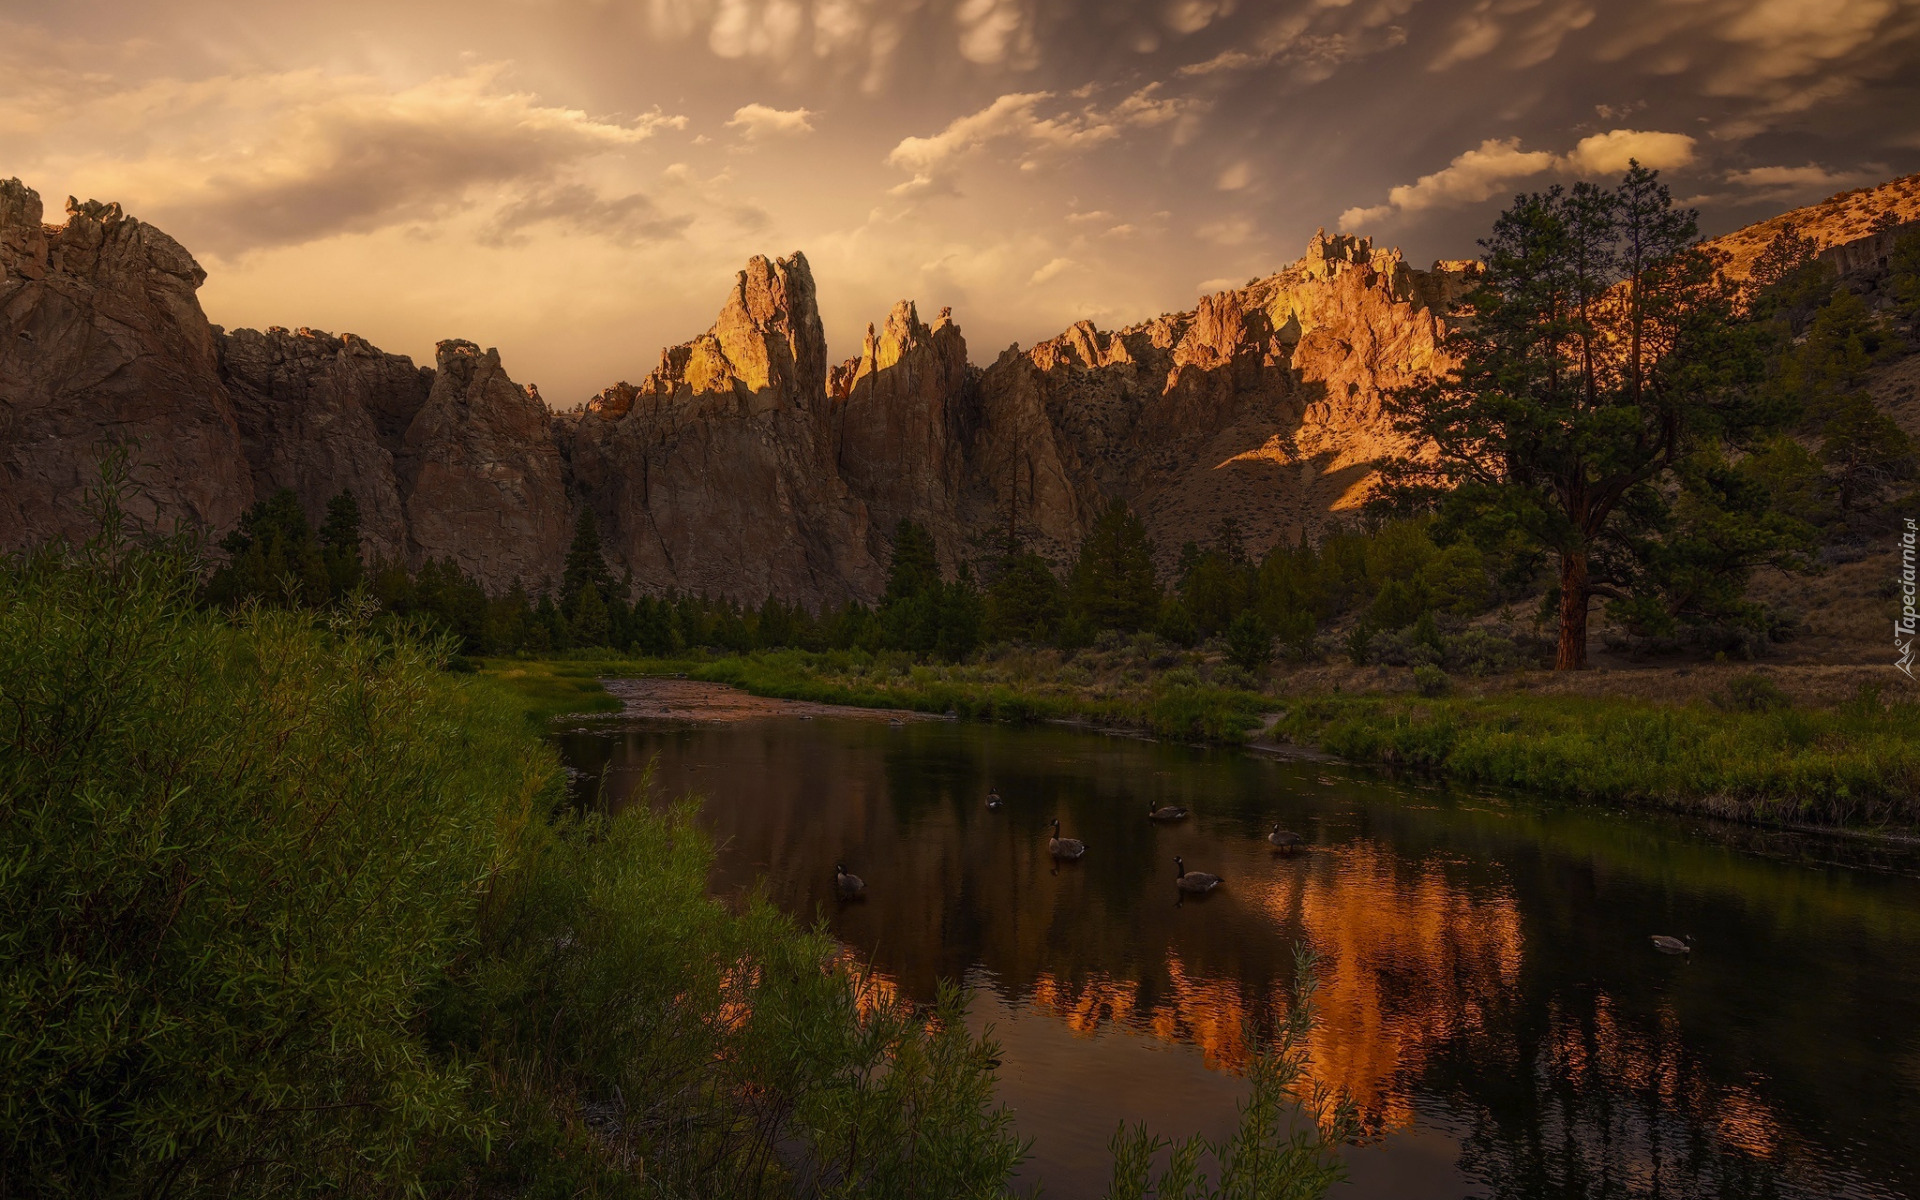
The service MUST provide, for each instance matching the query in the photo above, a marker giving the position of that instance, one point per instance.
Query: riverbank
(1735, 745)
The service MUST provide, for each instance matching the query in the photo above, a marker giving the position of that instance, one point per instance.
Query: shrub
(1752, 693)
(1249, 644)
(1431, 681)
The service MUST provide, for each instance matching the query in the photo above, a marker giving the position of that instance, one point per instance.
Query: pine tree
(586, 564)
(340, 543)
(1113, 584)
(1604, 351)
(1027, 602)
(1864, 452)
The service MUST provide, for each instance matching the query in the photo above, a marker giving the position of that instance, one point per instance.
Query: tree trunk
(1574, 596)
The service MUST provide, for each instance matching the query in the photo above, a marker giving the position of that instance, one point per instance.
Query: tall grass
(1855, 764)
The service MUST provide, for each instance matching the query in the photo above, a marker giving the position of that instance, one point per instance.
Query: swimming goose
(993, 801)
(1283, 840)
(1167, 812)
(1193, 881)
(848, 885)
(1059, 847)
(1673, 945)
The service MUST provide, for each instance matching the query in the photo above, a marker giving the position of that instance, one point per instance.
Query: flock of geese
(849, 886)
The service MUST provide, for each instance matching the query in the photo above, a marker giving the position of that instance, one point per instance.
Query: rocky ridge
(745, 463)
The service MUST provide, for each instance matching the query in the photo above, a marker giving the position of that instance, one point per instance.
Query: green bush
(233, 861)
(1430, 680)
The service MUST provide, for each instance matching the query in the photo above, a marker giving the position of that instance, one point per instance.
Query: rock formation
(743, 465)
(717, 472)
(321, 414)
(102, 342)
(481, 475)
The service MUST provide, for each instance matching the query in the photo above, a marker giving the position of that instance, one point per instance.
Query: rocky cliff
(102, 342)
(744, 464)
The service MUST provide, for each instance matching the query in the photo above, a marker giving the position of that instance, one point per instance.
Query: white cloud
(1609, 153)
(1495, 164)
(995, 32)
(1527, 32)
(236, 162)
(756, 121)
(1469, 178)
(1051, 270)
(1016, 118)
(1235, 177)
(1191, 16)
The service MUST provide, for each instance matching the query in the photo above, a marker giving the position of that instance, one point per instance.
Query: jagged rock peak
(767, 349)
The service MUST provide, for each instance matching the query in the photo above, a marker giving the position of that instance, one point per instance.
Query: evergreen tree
(588, 622)
(1249, 642)
(1027, 602)
(272, 557)
(914, 569)
(340, 543)
(1903, 275)
(1113, 585)
(1864, 452)
(1604, 351)
(586, 564)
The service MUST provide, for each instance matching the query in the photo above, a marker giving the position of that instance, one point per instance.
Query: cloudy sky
(575, 181)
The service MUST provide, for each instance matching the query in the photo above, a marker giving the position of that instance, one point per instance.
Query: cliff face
(1262, 405)
(717, 473)
(102, 341)
(320, 414)
(481, 475)
(743, 464)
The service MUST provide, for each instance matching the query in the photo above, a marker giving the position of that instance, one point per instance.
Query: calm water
(1488, 993)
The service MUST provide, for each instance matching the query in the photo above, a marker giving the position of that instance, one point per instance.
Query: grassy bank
(1750, 755)
(288, 907)
(1174, 703)
(1857, 764)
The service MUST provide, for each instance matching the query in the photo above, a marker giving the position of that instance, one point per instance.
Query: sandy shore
(666, 699)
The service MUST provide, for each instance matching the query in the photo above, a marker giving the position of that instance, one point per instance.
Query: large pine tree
(1604, 351)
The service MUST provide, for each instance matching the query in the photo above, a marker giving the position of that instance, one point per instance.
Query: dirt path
(692, 700)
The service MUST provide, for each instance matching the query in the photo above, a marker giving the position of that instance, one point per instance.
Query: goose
(848, 885)
(1673, 945)
(1284, 840)
(993, 801)
(1167, 812)
(1068, 848)
(1193, 881)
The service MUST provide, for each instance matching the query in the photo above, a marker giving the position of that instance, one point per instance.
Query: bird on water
(1198, 882)
(1673, 945)
(1167, 812)
(1064, 847)
(848, 885)
(1283, 840)
(993, 801)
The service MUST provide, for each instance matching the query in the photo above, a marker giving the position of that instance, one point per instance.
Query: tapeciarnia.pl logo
(1905, 623)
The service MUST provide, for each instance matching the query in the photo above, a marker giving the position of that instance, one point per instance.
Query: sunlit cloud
(755, 121)
(1497, 163)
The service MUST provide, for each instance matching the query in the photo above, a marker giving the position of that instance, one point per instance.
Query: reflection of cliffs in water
(1484, 968)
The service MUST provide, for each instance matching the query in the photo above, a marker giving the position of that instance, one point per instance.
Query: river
(1489, 993)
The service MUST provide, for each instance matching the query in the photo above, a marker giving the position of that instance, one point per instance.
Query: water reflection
(1486, 989)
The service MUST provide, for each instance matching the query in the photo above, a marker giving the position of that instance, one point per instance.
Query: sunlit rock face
(1263, 405)
(717, 473)
(102, 342)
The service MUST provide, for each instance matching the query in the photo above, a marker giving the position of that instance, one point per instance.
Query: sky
(576, 181)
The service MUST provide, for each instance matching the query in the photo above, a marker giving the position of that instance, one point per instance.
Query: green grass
(1858, 764)
(1167, 704)
(549, 688)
